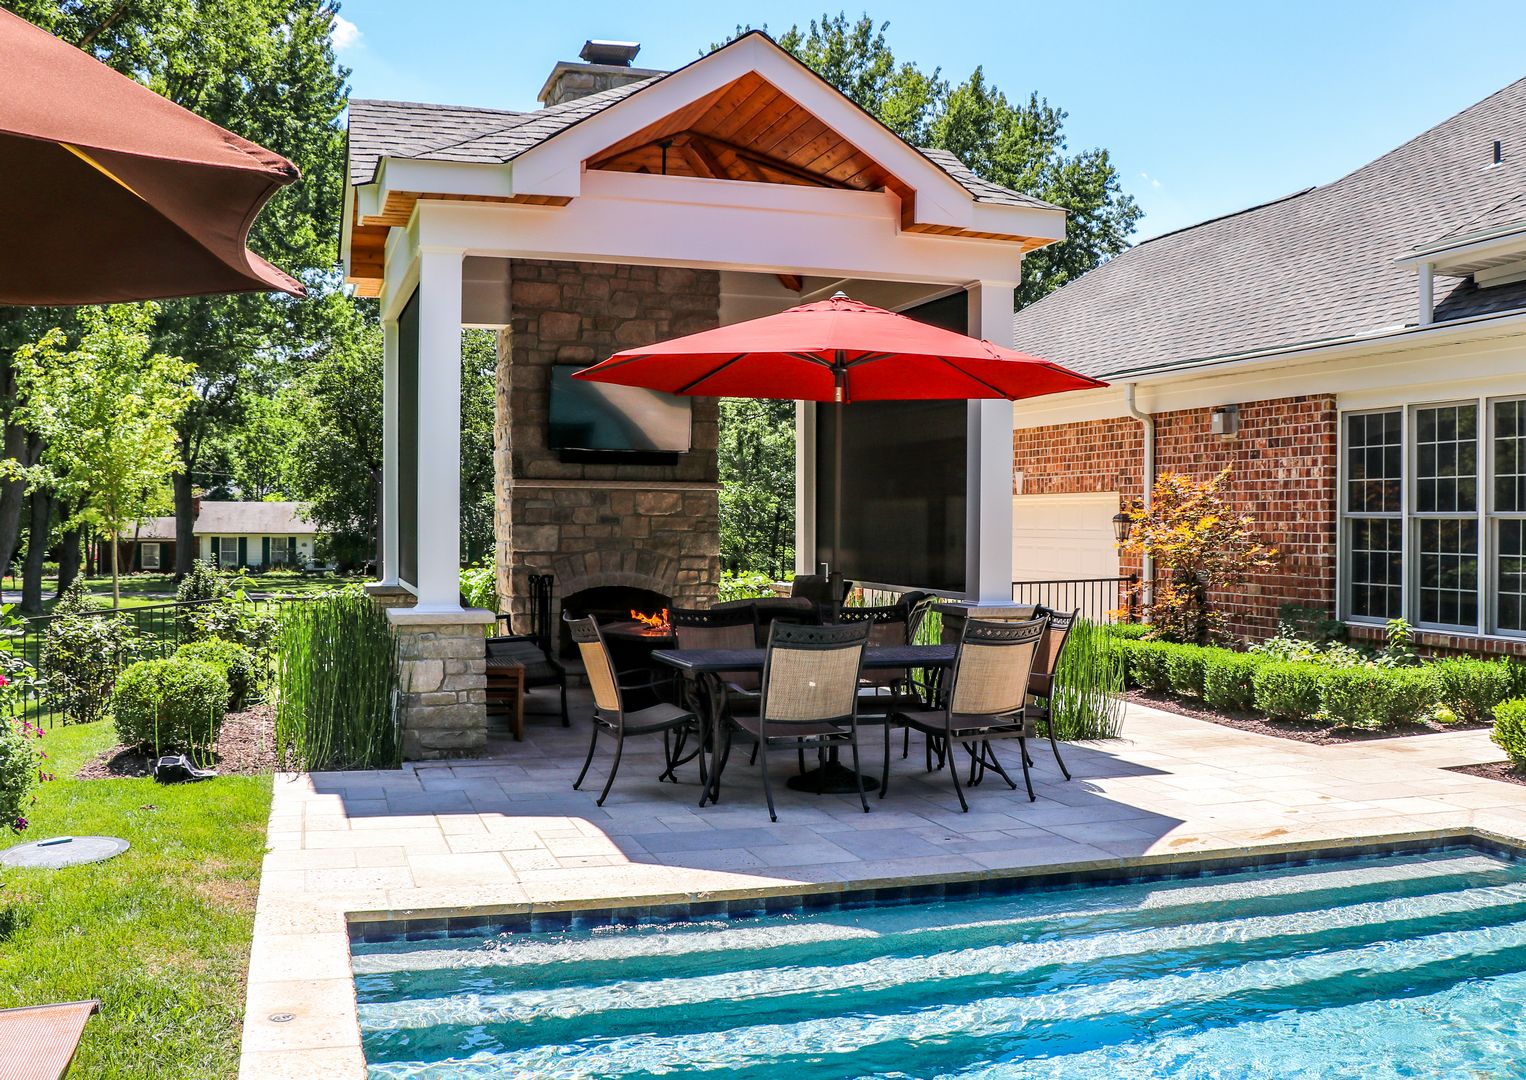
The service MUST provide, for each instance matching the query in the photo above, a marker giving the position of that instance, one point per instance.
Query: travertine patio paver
(508, 833)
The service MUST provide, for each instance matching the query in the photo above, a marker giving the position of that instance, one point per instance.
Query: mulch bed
(246, 746)
(1320, 734)
(1494, 770)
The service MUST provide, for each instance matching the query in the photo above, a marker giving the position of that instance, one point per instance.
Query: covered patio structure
(737, 186)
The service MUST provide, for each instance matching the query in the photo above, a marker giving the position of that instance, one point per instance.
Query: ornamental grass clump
(168, 705)
(1510, 730)
(336, 673)
(1088, 686)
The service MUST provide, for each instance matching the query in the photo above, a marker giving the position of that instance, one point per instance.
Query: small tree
(1199, 544)
(106, 411)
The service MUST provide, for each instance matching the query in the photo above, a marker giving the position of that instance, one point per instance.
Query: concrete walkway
(507, 833)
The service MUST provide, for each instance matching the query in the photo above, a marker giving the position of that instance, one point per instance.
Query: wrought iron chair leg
(1028, 780)
(752, 758)
(905, 743)
(768, 787)
(858, 777)
(885, 772)
(1055, 746)
(614, 767)
(593, 742)
(953, 768)
(995, 764)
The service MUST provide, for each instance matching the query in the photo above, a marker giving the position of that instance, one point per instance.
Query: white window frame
(1484, 513)
(223, 562)
(280, 546)
(143, 552)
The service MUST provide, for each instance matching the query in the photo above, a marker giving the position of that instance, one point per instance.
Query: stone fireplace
(652, 529)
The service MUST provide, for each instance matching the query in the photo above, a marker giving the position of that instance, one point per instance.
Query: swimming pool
(1396, 966)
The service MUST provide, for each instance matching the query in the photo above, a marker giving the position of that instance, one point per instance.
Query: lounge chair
(610, 716)
(986, 699)
(809, 696)
(37, 1042)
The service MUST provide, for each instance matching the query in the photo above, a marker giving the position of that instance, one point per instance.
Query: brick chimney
(195, 507)
(606, 65)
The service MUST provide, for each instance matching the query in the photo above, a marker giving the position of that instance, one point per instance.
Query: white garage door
(1063, 537)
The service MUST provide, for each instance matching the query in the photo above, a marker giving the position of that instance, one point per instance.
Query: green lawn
(140, 590)
(160, 934)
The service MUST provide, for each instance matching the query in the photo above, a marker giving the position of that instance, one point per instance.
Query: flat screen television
(602, 418)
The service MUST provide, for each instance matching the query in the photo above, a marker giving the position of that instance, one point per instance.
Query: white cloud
(1154, 183)
(346, 34)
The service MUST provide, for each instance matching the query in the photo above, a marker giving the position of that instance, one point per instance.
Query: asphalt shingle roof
(234, 518)
(405, 129)
(1316, 265)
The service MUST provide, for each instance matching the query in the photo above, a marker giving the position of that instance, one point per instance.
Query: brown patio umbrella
(113, 193)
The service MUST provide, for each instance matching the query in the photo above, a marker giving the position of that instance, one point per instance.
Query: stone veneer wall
(642, 526)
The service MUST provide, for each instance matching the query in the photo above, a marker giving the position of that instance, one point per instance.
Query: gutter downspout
(1147, 571)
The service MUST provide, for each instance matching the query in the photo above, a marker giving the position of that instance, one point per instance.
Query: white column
(988, 558)
(439, 441)
(390, 407)
(805, 487)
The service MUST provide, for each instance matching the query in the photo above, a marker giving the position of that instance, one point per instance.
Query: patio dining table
(703, 671)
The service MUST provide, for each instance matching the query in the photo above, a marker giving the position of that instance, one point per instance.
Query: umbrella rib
(869, 358)
(689, 386)
(614, 362)
(971, 375)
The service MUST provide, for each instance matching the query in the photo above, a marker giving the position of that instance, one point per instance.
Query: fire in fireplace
(610, 604)
(657, 622)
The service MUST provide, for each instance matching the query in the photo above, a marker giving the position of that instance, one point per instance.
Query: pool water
(1402, 966)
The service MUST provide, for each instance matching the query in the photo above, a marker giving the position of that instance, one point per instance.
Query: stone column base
(443, 681)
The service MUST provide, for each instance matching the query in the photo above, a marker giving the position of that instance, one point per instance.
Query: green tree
(266, 70)
(757, 472)
(106, 412)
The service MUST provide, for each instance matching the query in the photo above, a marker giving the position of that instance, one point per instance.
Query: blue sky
(1207, 107)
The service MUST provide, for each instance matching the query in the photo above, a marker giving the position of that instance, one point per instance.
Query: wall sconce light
(1225, 421)
(1123, 524)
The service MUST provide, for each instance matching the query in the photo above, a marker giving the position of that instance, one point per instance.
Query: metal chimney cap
(613, 53)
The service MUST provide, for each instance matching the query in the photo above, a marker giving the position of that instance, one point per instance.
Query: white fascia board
(1037, 222)
(1444, 362)
(401, 275)
(1497, 245)
(555, 166)
(442, 178)
(720, 235)
(346, 216)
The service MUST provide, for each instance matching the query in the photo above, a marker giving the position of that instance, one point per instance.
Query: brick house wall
(653, 527)
(1284, 476)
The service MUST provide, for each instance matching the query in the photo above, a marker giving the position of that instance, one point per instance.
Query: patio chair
(809, 696)
(882, 690)
(986, 700)
(721, 628)
(767, 610)
(533, 651)
(37, 1042)
(610, 716)
(817, 588)
(1041, 683)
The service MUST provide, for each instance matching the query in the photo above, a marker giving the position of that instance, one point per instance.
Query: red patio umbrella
(836, 350)
(114, 193)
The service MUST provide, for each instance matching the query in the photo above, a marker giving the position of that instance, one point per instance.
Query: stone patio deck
(510, 833)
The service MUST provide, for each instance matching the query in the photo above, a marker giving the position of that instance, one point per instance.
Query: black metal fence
(161, 629)
(1104, 599)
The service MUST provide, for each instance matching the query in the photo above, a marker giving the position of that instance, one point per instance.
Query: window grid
(1374, 491)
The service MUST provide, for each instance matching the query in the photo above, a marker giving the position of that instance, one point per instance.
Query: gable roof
(423, 132)
(234, 518)
(1317, 265)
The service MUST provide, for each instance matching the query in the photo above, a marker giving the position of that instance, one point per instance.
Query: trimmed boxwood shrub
(1229, 679)
(1510, 729)
(1471, 688)
(1375, 697)
(174, 704)
(232, 659)
(1184, 667)
(1131, 631)
(1288, 689)
(1147, 664)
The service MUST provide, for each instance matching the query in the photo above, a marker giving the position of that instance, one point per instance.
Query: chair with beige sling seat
(986, 699)
(1046, 667)
(610, 717)
(809, 697)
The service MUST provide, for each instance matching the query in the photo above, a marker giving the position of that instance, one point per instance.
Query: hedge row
(1360, 697)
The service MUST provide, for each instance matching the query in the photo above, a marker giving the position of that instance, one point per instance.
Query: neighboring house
(1356, 352)
(252, 535)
